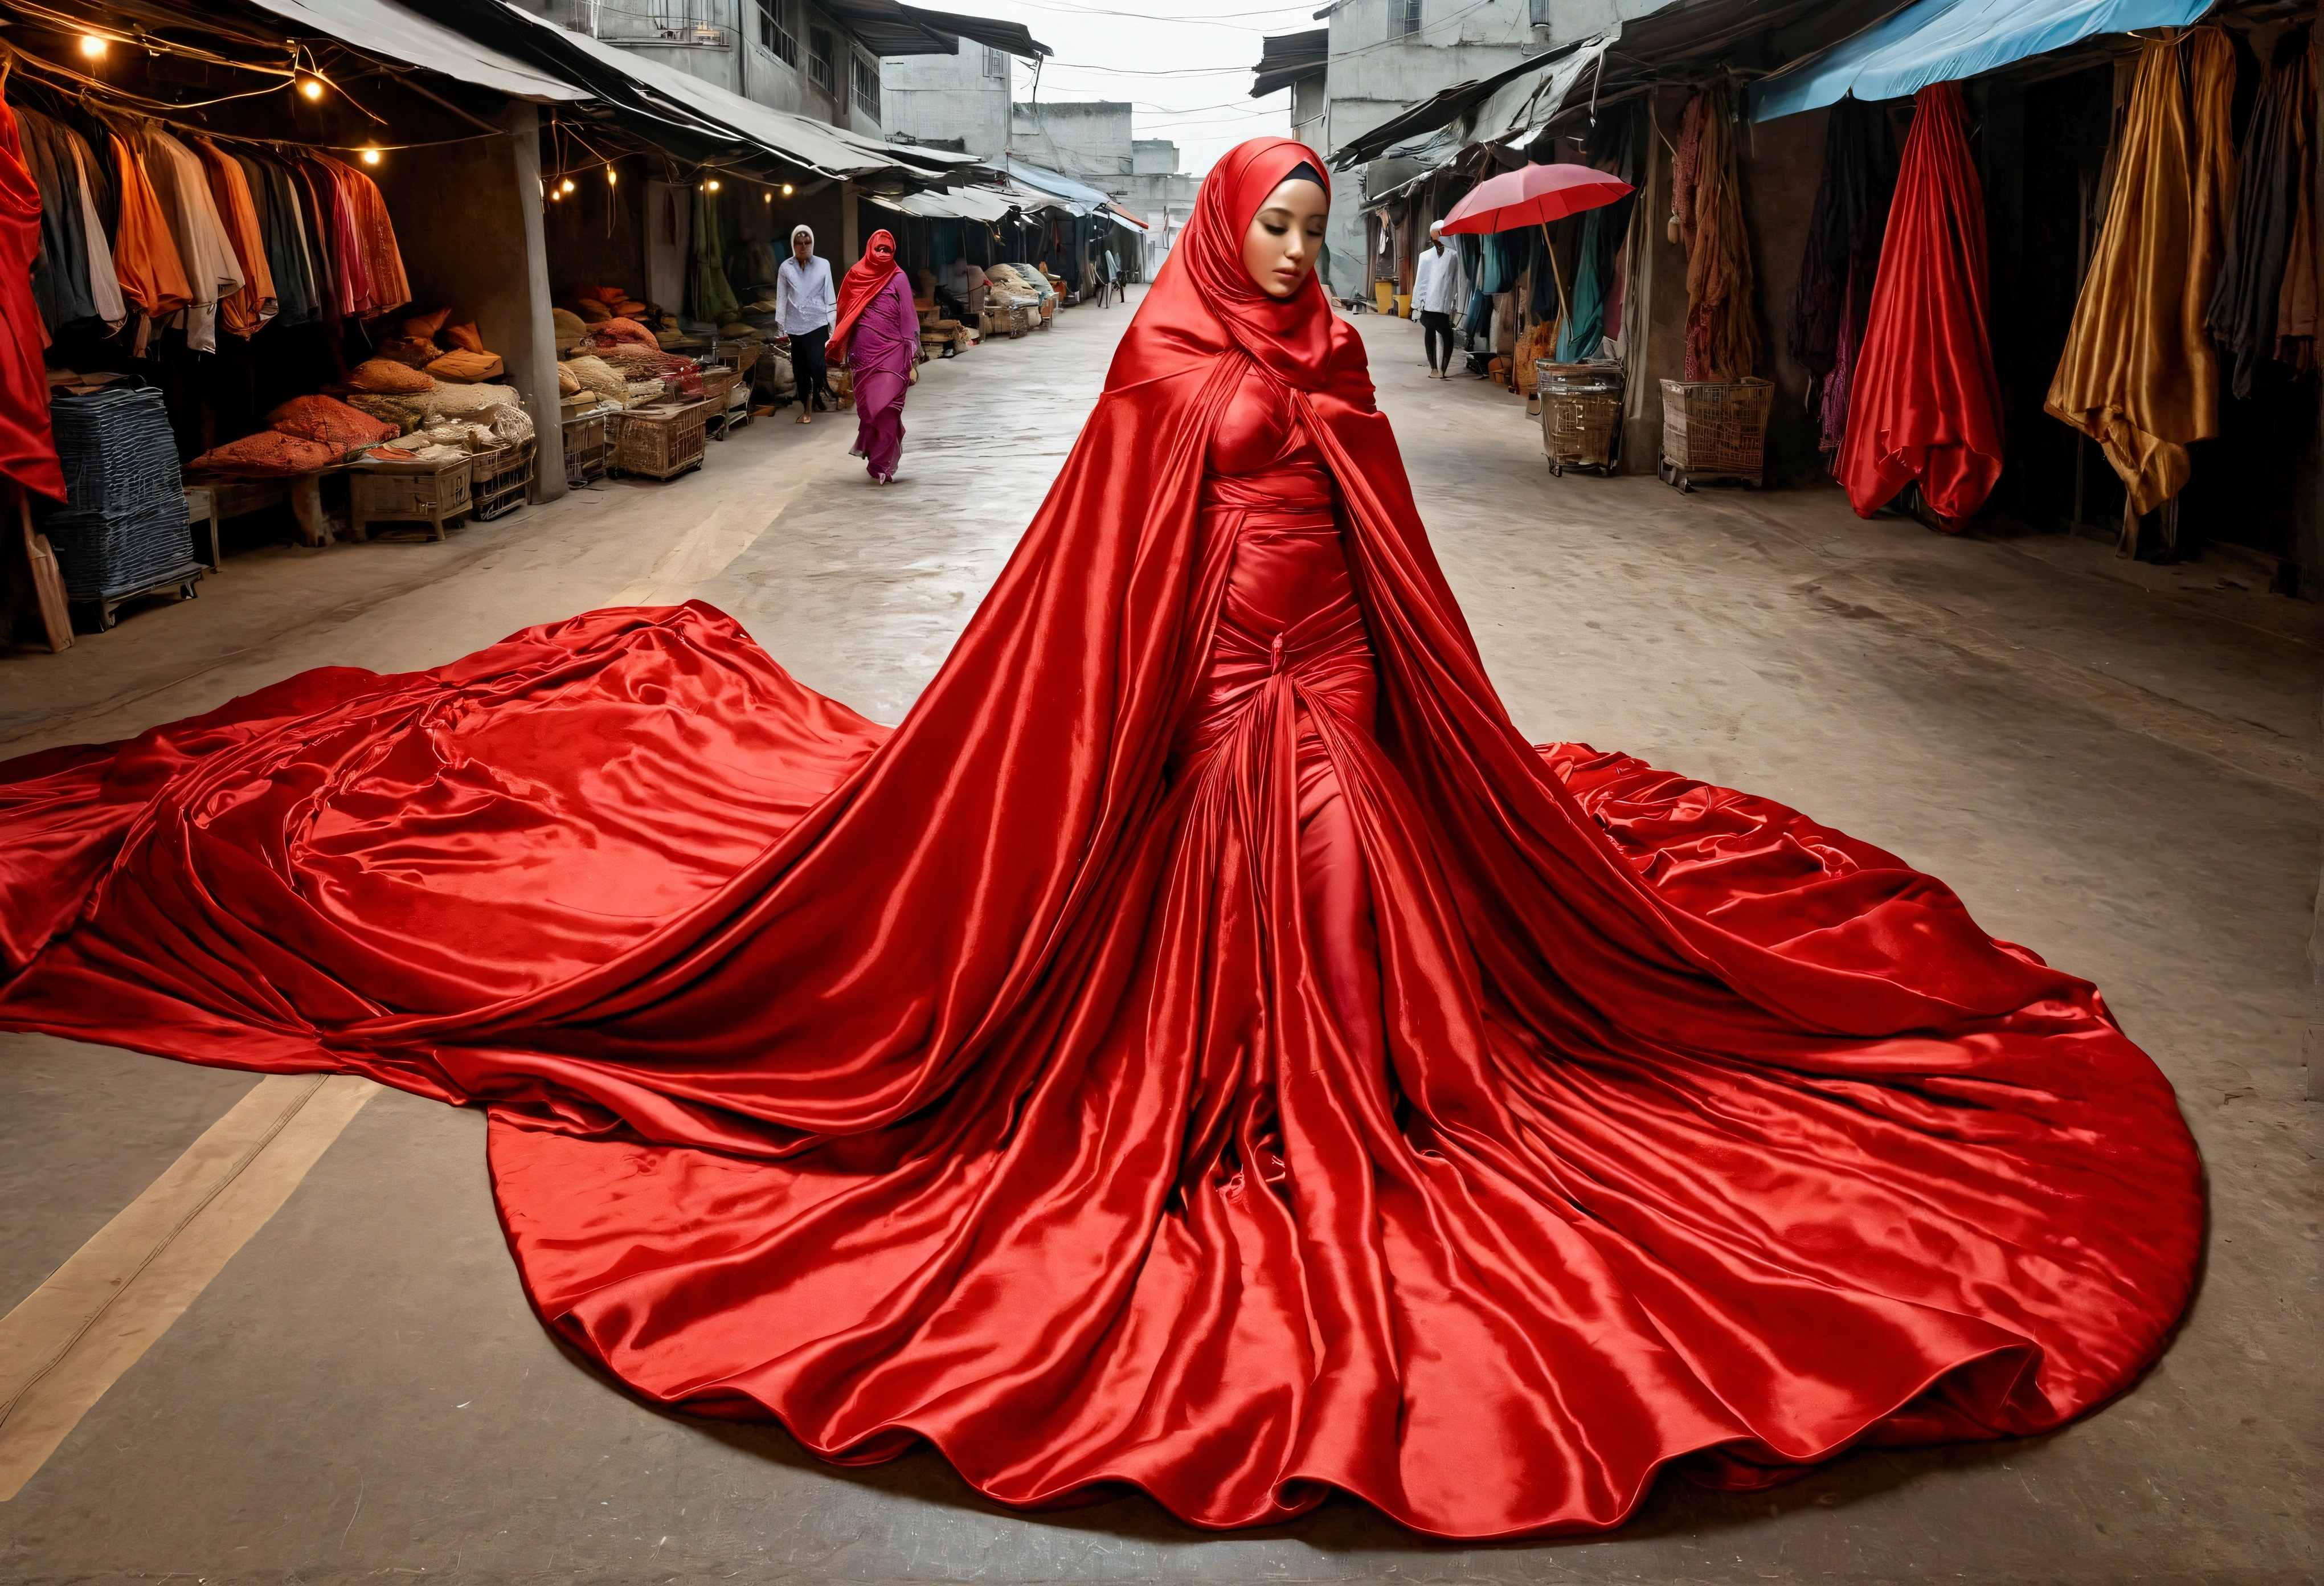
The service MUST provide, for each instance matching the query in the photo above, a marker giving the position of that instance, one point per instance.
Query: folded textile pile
(124, 523)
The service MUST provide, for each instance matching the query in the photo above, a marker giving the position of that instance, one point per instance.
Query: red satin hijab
(864, 278)
(970, 1081)
(1203, 302)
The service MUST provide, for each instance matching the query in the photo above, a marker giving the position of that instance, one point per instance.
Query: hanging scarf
(1927, 407)
(2139, 376)
(1603, 230)
(866, 276)
(2271, 201)
(1722, 340)
(1836, 272)
(709, 295)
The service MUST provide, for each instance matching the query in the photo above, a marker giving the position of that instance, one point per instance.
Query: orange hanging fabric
(2139, 375)
(145, 259)
(1722, 339)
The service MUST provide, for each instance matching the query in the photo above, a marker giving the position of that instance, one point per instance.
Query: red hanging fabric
(1926, 405)
(991, 1080)
(28, 450)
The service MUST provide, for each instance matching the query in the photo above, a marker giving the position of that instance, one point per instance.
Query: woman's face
(1285, 237)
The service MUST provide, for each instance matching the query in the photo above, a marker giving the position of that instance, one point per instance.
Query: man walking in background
(1436, 296)
(805, 303)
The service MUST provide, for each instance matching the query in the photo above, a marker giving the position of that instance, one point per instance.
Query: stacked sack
(123, 525)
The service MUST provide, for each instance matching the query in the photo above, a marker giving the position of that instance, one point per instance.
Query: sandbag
(567, 326)
(595, 375)
(268, 452)
(331, 422)
(384, 377)
(467, 368)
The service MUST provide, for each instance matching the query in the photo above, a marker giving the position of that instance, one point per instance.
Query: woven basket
(659, 443)
(588, 447)
(501, 481)
(1581, 413)
(410, 491)
(1716, 427)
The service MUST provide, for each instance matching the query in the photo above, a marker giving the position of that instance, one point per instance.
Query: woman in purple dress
(878, 337)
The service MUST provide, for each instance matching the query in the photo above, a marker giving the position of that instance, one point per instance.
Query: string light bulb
(565, 186)
(769, 197)
(312, 86)
(787, 189)
(371, 156)
(92, 46)
(612, 177)
(713, 184)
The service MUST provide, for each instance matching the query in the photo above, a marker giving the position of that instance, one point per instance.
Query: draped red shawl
(862, 281)
(1926, 405)
(876, 1079)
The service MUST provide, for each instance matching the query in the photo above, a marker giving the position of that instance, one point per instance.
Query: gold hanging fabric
(2139, 375)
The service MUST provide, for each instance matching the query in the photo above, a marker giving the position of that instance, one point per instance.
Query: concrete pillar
(467, 218)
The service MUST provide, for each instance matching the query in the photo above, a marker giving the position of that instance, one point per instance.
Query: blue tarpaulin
(1945, 41)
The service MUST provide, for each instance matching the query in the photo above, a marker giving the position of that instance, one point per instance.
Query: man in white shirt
(806, 306)
(1435, 298)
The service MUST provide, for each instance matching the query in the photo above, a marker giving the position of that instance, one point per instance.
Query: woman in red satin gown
(1203, 1047)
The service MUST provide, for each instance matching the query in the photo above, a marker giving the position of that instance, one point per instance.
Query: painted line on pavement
(72, 1338)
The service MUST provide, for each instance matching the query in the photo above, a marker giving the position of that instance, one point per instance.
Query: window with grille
(775, 29)
(867, 86)
(996, 63)
(819, 63)
(1404, 19)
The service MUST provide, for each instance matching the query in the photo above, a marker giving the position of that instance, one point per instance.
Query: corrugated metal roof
(394, 31)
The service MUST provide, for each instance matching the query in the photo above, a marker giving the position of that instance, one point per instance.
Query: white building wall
(721, 42)
(1087, 140)
(932, 98)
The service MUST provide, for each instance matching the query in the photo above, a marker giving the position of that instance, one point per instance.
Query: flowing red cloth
(28, 449)
(1204, 1047)
(1926, 405)
(863, 279)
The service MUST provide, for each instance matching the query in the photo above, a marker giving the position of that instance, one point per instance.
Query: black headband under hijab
(1303, 171)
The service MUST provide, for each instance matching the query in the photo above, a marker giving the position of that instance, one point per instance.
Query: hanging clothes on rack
(1927, 408)
(2272, 199)
(255, 303)
(287, 265)
(1722, 340)
(1834, 295)
(2139, 376)
(60, 281)
(383, 285)
(213, 273)
(145, 261)
(103, 284)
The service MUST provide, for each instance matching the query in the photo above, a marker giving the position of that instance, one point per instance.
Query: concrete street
(2114, 763)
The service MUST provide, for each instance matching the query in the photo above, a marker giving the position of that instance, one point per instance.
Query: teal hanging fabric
(1585, 327)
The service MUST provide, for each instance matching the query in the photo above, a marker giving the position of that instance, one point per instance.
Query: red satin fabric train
(1002, 1080)
(1926, 405)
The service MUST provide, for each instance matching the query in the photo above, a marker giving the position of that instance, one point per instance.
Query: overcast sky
(1184, 64)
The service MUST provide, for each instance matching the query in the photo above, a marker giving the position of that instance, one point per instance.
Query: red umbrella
(1533, 195)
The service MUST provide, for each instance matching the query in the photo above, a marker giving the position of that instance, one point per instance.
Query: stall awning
(1945, 41)
(815, 145)
(890, 29)
(1079, 197)
(1285, 58)
(1122, 213)
(978, 204)
(391, 31)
